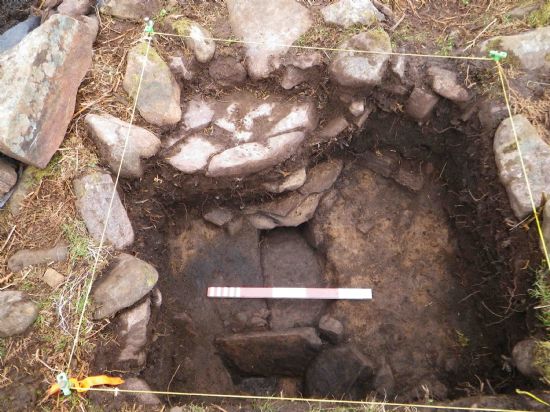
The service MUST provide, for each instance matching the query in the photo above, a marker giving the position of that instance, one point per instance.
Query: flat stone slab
(536, 155)
(130, 9)
(93, 196)
(129, 280)
(39, 81)
(287, 259)
(285, 353)
(17, 313)
(346, 13)
(110, 133)
(159, 95)
(29, 257)
(275, 24)
(132, 334)
(8, 176)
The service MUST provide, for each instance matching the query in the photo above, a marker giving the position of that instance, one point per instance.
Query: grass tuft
(540, 17)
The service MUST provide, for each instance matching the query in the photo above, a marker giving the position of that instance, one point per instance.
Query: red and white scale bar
(289, 293)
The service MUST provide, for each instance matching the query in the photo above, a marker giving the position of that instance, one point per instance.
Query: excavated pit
(417, 214)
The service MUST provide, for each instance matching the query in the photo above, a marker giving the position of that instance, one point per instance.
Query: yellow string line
(113, 194)
(336, 49)
(522, 162)
(520, 392)
(305, 400)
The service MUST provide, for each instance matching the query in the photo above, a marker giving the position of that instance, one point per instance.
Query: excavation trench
(417, 214)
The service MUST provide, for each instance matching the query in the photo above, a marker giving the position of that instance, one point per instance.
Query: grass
(542, 360)
(541, 292)
(540, 17)
(81, 244)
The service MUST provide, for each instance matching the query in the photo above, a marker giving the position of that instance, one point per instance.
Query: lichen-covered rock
(536, 156)
(39, 80)
(355, 69)
(532, 48)
(196, 38)
(346, 13)
(132, 334)
(93, 197)
(274, 24)
(110, 134)
(130, 9)
(129, 280)
(159, 96)
(17, 313)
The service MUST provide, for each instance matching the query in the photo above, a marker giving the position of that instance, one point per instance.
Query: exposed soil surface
(450, 291)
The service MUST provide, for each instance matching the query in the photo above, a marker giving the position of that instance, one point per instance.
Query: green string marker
(149, 30)
(63, 383)
(497, 55)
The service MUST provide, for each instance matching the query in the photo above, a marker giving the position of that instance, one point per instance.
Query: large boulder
(130, 9)
(17, 313)
(269, 27)
(346, 13)
(356, 69)
(93, 197)
(159, 94)
(39, 81)
(536, 157)
(286, 353)
(127, 281)
(110, 135)
(531, 49)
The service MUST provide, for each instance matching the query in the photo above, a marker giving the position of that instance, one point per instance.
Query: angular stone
(536, 155)
(337, 373)
(132, 334)
(292, 182)
(13, 36)
(303, 60)
(352, 69)
(127, 281)
(159, 95)
(39, 80)
(196, 38)
(411, 179)
(322, 176)
(53, 278)
(531, 48)
(93, 196)
(334, 127)
(218, 216)
(30, 257)
(287, 259)
(198, 114)
(420, 104)
(346, 13)
(75, 8)
(285, 353)
(193, 154)
(331, 329)
(292, 77)
(22, 189)
(17, 313)
(227, 71)
(291, 211)
(183, 67)
(8, 177)
(110, 133)
(130, 9)
(274, 24)
(444, 83)
(249, 158)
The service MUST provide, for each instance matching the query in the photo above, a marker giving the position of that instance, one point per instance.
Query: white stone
(275, 24)
(303, 117)
(193, 154)
(346, 13)
(252, 157)
(292, 182)
(53, 278)
(536, 156)
(200, 41)
(199, 114)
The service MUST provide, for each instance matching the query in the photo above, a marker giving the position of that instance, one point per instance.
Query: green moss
(540, 17)
(542, 359)
(81, 245)
(512, 147)
(182, 26)
(53, 169)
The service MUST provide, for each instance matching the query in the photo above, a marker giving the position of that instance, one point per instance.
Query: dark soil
(12, 12)
(489, 267)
